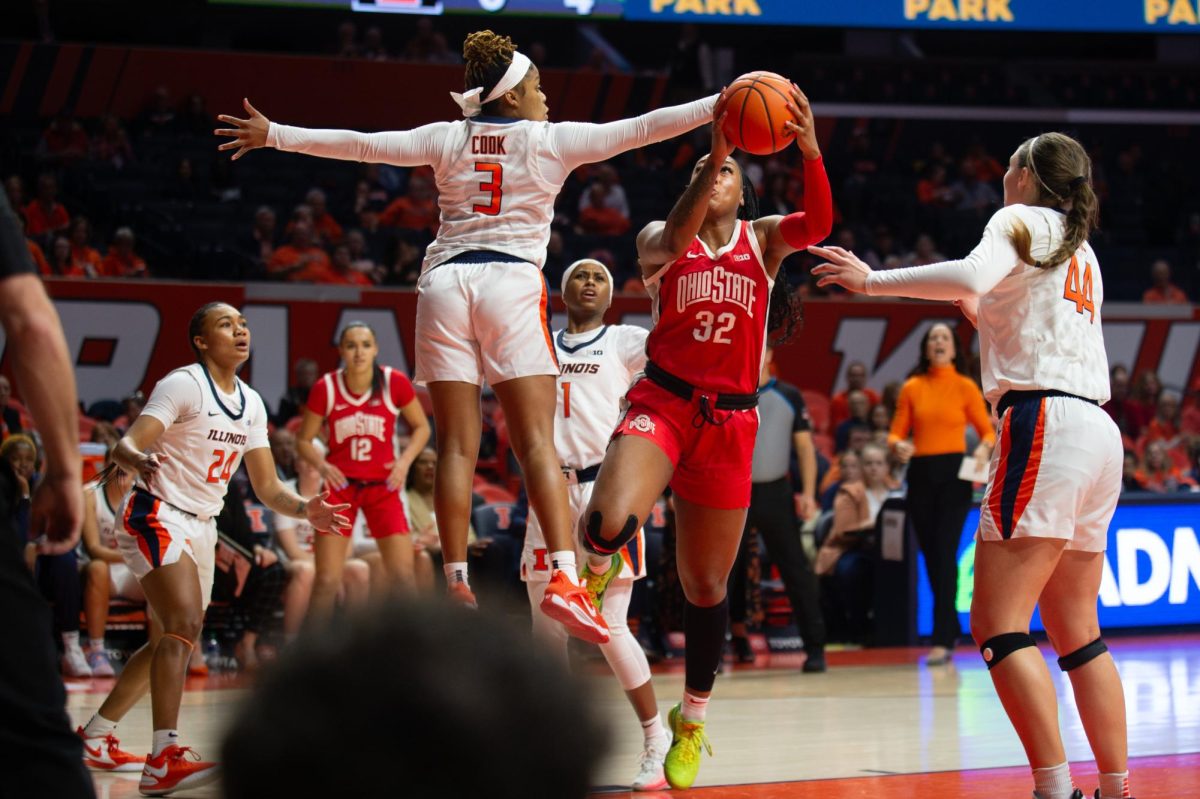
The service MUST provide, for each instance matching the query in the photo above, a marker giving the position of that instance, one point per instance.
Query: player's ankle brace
(1082, 655)
(998, 647)
(594, 542)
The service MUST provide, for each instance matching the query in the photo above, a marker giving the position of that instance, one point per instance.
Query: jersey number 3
(494, 187)
(1080, 292)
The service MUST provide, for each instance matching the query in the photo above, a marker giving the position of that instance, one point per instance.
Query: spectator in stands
(111, 145)
(1130, 478)
(61, 264)
(1159, 474)
(10, 418)
(131, 407)
(1118, 389)
(300, 259)
(347, 43)
(417, 209)
(932, 191)
(361, 259)
(184, 184)
(45, 215)
(326, 229)
(429, 46)
(1164, 426)
(1162, 291)
(84, 257)
(598, 215)
(38, 255)
(886, 248)
(14, 189)
(691, 67)
(380, 239)
(158, 117)
(1143, 405)
(195, 118)
(418, 503)
(260, 243)
(974, 196)
(372, 47)
(1189, 418)
(844, 560)
(407, 266)
(63, 143)
(556, 258)
(845, 468)
(304, 375)
(104, 572)
(856, 380)
(924, 252)
(859, 406)
(343, 271)
(847, 240)
(121, 260)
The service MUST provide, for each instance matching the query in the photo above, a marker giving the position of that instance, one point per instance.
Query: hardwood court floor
(878, 724)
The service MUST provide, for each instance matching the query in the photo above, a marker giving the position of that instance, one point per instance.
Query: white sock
(456, 573)
(1054, 782)
(564, 561)
(163, 739)
(71, 640)
(98, 727)
(653, 730)
(599, 564)
(95, 646)
(1114, 786)
(695, 707)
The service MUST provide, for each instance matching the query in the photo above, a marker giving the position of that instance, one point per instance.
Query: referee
(39, 755)
(783, 425)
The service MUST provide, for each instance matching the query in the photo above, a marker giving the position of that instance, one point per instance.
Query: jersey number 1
(1080, 293)
(224, 474)
(494, 187)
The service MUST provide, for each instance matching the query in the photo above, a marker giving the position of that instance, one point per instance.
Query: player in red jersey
(361, 403)
(691, 419)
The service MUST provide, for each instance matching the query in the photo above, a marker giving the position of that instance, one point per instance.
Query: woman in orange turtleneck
(936, 404)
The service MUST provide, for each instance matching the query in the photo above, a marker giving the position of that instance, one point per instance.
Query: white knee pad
(623, 653)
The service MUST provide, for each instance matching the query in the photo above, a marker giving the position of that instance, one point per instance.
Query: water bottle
(212, 653)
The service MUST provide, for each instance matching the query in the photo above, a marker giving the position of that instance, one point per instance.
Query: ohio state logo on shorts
(642, 424)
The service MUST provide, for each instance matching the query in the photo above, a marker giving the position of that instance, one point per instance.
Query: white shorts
(535, 557)
(487, 321)
(1055, 473)
(123, 583)
(153, 534)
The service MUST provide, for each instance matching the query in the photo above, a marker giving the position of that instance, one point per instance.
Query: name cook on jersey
(718, 286)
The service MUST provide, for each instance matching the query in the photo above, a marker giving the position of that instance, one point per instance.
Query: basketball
(756, 108)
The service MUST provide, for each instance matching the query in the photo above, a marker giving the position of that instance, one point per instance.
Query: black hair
(196, 327)
(377, 370)
(923, 363)
(412, 472)
(785, 312)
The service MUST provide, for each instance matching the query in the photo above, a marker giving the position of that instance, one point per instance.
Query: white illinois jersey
(1039, 328)
(595, 370)
(207, 433)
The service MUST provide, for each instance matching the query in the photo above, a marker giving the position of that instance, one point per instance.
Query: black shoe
(814, 663)
(742, 651)
(1078, 794)
(1097, 795)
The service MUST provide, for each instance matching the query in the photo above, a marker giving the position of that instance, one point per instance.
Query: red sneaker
(175, 768)
(104, 753)
(571, 606)
(460, 594)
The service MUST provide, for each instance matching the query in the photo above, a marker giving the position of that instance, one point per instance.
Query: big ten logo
(958, 10)
(726, 8)
(1172, 12)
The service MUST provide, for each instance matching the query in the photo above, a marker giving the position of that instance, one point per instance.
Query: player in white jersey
(200, 422)
(103, 567)
(597, 363)
(1033, 288)
(482, 300)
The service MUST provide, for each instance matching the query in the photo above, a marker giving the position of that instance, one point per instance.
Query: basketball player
(598, 363)
(690, 422)
(1033, 287)
(482, 300)
(199, 423)
(361, 403)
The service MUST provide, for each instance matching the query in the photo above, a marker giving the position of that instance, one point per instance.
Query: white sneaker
(99, 663)
(650, 776)
(74, 664)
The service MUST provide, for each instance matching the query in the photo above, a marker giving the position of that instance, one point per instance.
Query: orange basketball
(755, 112)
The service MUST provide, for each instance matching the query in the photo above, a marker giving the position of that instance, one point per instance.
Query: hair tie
(472, 102)
(1076, 182)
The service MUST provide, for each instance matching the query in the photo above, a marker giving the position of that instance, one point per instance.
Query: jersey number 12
(493, 187)
(1078, 292)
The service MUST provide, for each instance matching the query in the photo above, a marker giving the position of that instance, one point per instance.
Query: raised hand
(803, 126)
(721, 146)
(248, 134)
(842, 268)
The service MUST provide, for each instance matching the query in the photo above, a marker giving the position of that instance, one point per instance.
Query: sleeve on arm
(815, 222)
(977, 274)
(318, 398)
(633, 348)
(257, 438)
(576, 143)
(902, 421)
(401, 389)
(415, 147)
(801, 422)
(175, 396)
(977, 412)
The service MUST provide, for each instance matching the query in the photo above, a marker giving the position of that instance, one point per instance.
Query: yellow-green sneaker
(683, 758)
(597, 584)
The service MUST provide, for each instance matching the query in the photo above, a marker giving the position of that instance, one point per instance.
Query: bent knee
(704, 591)
(185, 625)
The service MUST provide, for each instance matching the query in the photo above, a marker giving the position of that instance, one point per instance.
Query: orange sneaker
(176, 767)
(104, 753)
(571, 606)
(460, 594)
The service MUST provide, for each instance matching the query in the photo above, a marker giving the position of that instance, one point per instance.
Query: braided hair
(785, 313)
(487, 57)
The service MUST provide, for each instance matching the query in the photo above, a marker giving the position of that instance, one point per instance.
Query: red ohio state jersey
(710, 315)
(362, 429)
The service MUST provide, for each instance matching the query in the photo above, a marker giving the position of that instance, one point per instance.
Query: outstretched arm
(398, 148)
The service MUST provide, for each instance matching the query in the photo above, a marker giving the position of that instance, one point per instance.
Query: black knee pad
(594, 542)
(998, 647)
(1082, 655)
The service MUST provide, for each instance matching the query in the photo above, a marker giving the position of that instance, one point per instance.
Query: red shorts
(712, 461)
(382, 508)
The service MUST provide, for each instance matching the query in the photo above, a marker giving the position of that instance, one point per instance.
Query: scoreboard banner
(538, 8)
(1147, 16)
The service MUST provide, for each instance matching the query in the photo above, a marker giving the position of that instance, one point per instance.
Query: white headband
(469, 101)
(570, 269)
